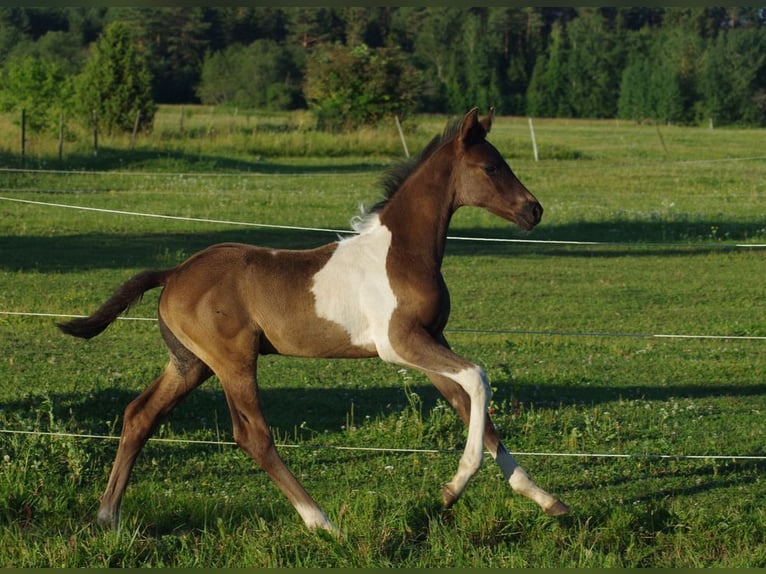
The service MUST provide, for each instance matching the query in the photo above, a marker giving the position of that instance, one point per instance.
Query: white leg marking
(474, 382)
(314, 518)
(520, 482)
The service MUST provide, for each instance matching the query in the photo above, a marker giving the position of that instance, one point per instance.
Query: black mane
(393, 179)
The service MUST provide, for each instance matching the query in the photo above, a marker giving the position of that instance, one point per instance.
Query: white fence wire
(350, 232)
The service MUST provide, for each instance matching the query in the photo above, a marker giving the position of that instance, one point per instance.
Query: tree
(39, 87)
(263, 75)
(634, 102)
(593, 67)
(175, 40)
(116, 84)
(547, 94)
(434, 32)
(350, 87)
(660, 80)
(733, 77)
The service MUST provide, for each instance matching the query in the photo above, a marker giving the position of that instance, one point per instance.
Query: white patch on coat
(353, 291)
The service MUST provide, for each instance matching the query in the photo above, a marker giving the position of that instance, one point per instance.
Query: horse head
(484, 179)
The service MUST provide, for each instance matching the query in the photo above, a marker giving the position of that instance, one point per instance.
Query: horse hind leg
(516, 476)
(142, 415)
(252, 434)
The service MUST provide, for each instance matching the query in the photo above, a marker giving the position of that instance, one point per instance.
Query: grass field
(561, 329)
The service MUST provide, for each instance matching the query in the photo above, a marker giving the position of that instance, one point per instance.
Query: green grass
(670, 216)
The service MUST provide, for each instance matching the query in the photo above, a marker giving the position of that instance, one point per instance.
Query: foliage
(661, 80)
(547, 95)
(39, 87)
(664, 64)
(593, 67)
(733, 77)
(115, 85)
(263, 75)
(350, 87)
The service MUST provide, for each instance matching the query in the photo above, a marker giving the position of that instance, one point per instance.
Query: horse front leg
(473, 383)
(516, 476)
(417, 349)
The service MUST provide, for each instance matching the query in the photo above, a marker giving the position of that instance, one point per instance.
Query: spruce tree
(116, 84)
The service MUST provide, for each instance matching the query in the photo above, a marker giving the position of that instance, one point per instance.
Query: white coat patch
(353, 291)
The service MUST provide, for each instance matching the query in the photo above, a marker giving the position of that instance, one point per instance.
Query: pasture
(657, 444)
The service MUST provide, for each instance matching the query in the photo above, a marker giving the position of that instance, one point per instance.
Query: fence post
(23, 135)
(662, 139)
(534, 142)
(61, 136)
(95, 133)
(401, 136)
(135, 130)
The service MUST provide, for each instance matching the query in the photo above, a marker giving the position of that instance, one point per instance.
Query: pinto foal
(379, 293)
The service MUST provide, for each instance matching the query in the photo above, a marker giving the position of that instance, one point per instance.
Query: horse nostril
(537, 212)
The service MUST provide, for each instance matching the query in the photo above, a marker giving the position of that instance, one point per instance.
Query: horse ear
(471, 130)
(487, 122)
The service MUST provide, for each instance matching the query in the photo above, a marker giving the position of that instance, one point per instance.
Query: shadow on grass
(617, 239)
(109, 159)
(719, 474)
(322, 410)
(72, 253)
(325, 411)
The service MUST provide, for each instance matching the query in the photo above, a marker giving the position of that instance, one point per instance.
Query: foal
(379, 293)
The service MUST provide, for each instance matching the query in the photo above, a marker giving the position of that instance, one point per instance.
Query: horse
(376, 293)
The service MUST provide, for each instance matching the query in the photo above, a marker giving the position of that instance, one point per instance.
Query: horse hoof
(558, 509)
(448, 496)
(107, 520)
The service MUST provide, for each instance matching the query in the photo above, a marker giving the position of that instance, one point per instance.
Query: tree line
(354, 65)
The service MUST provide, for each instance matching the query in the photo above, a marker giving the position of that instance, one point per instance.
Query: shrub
(348, 87)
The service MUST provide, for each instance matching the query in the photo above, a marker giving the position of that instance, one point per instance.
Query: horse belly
(283, 310)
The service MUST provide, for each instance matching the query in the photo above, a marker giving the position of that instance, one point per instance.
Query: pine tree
(593, 67)
(548, 92)
(116, 84)
(734, 75)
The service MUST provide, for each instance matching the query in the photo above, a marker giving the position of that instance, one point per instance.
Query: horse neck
(419, 213)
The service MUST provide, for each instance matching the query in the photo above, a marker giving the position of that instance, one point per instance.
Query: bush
(350, 87)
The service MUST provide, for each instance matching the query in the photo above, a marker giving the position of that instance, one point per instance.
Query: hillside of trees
(353, 65)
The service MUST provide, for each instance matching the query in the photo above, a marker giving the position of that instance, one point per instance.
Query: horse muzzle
(530, 215)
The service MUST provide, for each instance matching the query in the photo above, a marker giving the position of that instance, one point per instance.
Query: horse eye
(490, 169)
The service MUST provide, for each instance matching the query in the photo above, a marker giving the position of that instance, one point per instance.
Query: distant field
(647, 231)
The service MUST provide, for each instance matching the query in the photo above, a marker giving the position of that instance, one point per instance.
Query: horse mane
(396, 175)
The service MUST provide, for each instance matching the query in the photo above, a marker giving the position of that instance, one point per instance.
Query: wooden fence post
(534, 141)
(23, 135)
(61, 136)
(95, 133)
(135, 130)
(401, 136)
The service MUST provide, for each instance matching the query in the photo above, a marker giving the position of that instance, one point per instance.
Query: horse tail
(127, 295)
